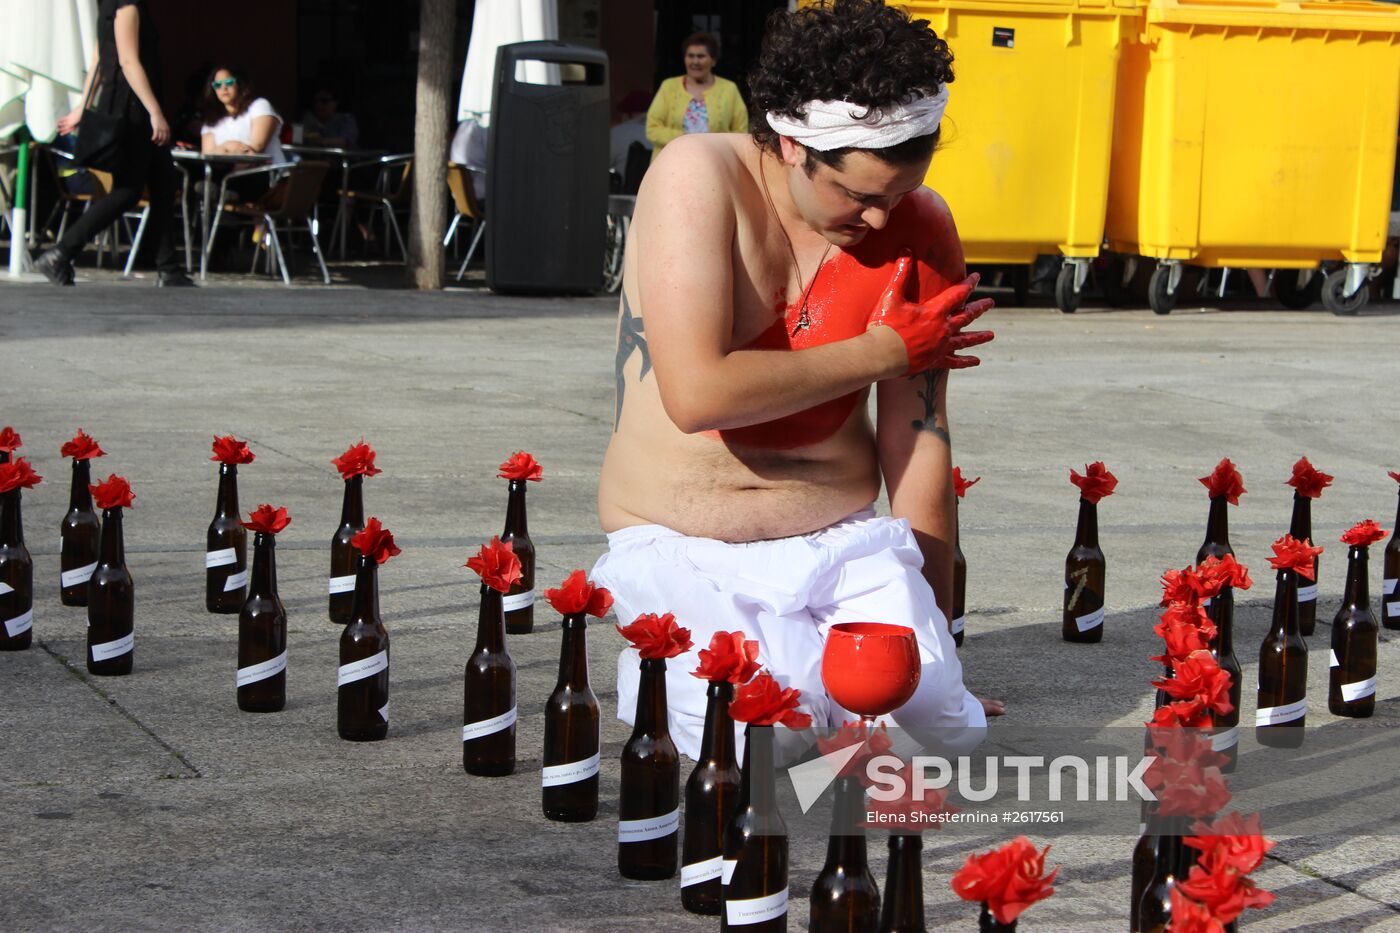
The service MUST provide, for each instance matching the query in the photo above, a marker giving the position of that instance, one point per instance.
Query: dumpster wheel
(1066, 295)
(1335, 298)
(1160, 295)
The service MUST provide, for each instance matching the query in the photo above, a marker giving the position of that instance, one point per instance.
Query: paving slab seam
(1316, 875)
(87, 681)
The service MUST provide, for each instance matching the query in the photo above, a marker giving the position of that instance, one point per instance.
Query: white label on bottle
(256, 672)
(727, 870)
(222, 558)
(342, 584)
(700, 872)
(1392, 609)
(236, 581)
(757, 909)
(571, 773)
(359, 670)
(1223, 740)
(384, 710)
(655, 827)
(475, 730)
(1332, 658)
(518, 601)
(20, 623)
(1092, 620)
(1388, 585)
(1358, 690)
(1307, 594)
(6, 588)
(77, 575)
(114, 649)
(1277, 715)
(958, 624)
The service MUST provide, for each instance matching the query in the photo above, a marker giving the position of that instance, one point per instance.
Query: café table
(347, 158)
(209, 160)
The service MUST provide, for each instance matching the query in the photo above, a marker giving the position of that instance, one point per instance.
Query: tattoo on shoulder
(630, 339)
(929, 394)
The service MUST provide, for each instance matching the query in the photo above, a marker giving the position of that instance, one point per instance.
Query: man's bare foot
(992, 707)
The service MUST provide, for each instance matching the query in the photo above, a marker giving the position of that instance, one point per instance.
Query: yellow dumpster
(1257, 133)
(1026, 138)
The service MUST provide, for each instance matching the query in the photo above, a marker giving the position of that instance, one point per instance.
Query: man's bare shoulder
(697, 172)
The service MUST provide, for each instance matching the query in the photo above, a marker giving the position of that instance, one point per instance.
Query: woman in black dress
(126, 70)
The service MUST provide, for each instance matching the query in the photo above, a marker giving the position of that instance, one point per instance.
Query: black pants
(144, 167)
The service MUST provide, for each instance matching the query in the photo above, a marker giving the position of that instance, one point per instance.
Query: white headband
(834, 124)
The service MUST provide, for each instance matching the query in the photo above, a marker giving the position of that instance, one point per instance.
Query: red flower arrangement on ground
(1007, 880)
(376, 542)
(18, 474)
(656, 636)
(230, 450)
(521, 466)
(1096, 483)
(576, 595)
(112, 493)
(81, 447)
(358, 460)
(1225, 481)
(762, 702)
(497, 564)
(1308, 480)
(267, 520)
(730, 657)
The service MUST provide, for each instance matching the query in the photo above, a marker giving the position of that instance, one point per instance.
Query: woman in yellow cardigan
(698, 101)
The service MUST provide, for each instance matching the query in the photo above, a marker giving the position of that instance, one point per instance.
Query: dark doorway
(739, 24)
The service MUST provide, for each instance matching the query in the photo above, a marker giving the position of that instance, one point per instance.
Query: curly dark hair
(854, 50)
(211, 110)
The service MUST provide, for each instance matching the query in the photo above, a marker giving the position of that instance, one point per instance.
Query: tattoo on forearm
(929, 394)
(629, 338)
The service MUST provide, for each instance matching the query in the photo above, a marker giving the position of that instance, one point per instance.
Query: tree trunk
(431, 134)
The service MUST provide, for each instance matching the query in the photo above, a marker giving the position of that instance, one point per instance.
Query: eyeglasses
(227, 82)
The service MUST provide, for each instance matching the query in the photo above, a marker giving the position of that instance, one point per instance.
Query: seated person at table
(326, 125)
(236, 120)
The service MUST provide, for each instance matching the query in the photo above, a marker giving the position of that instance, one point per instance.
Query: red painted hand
(932, 331)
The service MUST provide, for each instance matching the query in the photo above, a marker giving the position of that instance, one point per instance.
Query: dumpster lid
(1338, 15)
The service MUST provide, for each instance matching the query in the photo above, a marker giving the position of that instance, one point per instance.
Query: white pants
(786, 594)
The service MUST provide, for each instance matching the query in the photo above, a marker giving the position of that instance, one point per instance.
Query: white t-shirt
(240, 128)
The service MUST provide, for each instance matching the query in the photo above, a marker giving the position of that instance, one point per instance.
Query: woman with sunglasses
(236, 120)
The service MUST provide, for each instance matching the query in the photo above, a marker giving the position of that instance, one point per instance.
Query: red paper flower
(960, 485)
(1184, 628)
(497, 564)
(1225, 481)
(1184, 586)
(358, 460)
(1307, 480)
(1199, 677)
(656, 636)
(576, 595)
(873, 742)
(9, 440)
(112, 493)
(229, 449)
(1188, 916)
(1292, 554)
(730, 657)
(761, 702)
(1363, 534)
(268, 520)
(375, 542)
(1188, 784)
(1394, 476)
(521, 466)
(18, 474)
(82, 447)
(905, 815)
(1223, 891)
(1232, 841)
(1007, 880)
(1191, 713)
(1225, 571)
(1096, 483)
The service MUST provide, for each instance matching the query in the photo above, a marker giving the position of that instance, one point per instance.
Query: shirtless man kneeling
(770, 280)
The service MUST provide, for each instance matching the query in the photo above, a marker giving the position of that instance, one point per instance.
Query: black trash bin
(547, 172)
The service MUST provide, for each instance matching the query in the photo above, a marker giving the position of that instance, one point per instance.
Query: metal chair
(391, 191)
(459, 182)
(292, 201)
(143, 214)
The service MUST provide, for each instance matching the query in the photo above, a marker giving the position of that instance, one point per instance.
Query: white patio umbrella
(496, 23)
(45, 48)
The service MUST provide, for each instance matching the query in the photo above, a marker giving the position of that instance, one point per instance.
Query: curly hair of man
(860, 51)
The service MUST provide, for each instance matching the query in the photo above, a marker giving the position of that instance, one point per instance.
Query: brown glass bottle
(648, 806)
(1084, 580)
(571, 721)
(1144, 865)
(1301, 528)
(111, 607)
(1217, 542)
(343, 553)
(755, 869)
(845, 897)
(262, 635)
(1390, 578)
(1351, 689)
(488, 695)
(903, 910)
(1154, 908)
(1282, 704)
(959, 615)
(16, 578)
(362, 700)
(226, 558)
(78, 535)
(711, 792)
(1225, 726)
(519, 600)
(988, 923)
